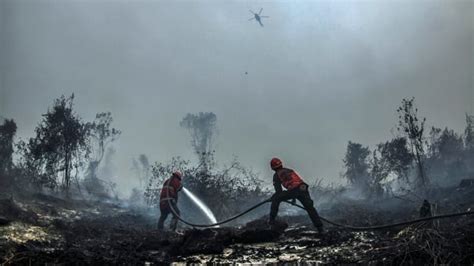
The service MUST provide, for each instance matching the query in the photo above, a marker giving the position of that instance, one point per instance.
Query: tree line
(63, 144)
(414, 158)
(66, 151)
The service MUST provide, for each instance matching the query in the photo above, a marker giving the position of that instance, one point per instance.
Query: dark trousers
(164, 214)
(303, 196)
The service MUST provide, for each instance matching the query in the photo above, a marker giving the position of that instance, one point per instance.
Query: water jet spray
(201, 206)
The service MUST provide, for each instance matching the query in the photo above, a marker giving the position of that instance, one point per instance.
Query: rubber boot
(161, 222)
(174, 224)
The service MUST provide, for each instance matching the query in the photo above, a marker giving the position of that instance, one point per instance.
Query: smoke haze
(315, 76)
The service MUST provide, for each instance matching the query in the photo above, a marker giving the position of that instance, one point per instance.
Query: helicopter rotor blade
(260, 12)
(251, 19)
(264, 16)
(253, 13)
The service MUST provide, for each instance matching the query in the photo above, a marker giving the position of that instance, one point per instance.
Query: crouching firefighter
(296, 188)
(169, 200)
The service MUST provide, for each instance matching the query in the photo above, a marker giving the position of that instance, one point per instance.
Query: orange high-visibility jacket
(288, 178)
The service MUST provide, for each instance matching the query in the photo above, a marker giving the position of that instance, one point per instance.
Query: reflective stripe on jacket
(289, 178)
(170, 190)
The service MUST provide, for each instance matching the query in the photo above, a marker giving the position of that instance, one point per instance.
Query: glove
(304, 187)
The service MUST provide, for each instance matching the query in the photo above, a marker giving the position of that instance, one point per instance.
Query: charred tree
(7, 133)
(141, 167)
(60, 145)
(396, 157)
(413, 128)
(356, 163)
(469, 132)
(202, 129)
(102, 135)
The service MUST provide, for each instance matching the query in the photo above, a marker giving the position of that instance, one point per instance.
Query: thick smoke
(318, 74)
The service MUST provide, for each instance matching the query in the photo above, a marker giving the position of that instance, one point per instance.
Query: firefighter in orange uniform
(296, 188)
(169, 200)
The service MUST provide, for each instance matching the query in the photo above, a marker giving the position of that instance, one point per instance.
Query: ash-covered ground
(40, 229)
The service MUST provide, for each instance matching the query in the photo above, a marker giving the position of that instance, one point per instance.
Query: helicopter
(258, 17)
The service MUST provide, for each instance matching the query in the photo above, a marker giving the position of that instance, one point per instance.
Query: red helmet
(178, 174)
(276, 163)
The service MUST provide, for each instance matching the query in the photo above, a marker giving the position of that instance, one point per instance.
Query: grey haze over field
(320, 73)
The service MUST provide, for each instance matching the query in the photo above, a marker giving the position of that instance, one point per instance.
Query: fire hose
(354, 228)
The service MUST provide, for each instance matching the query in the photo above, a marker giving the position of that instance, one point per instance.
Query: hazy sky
(320, 73)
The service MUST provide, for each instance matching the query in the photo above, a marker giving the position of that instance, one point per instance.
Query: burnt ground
(46, 229)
